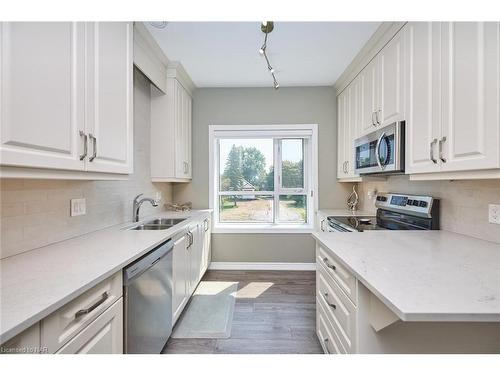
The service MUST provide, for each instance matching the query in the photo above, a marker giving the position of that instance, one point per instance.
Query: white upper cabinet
(368, 97)
(109, 120)
(42, 94)
(381, 87)
(349, 122)
(390, 82)
(66, 96)
(452, 104)
(171, 128)
(470, 95)
(423, 95)
(342, 124)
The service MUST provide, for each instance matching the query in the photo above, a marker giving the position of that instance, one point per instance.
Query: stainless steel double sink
(157, 224)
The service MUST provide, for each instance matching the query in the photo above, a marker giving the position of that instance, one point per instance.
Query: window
(263, 178)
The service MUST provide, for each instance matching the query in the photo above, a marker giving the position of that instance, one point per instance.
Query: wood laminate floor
(275, 313)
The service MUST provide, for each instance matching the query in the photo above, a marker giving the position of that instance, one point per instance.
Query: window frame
(310, 171)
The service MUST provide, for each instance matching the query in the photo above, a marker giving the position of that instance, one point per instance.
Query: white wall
(35, 213)
(254, 106)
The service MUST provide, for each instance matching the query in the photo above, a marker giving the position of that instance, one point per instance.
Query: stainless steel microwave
(381, 151)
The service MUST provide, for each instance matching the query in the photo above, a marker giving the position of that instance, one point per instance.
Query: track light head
(267, 26)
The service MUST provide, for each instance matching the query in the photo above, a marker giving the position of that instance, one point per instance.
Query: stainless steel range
(394, 211)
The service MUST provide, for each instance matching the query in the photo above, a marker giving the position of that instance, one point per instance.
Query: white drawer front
(103, 336)
(339, 309)
(326, 334)
(342, 276)
(59, 327)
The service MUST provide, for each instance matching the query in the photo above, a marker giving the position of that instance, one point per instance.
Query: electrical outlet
(78, 207)
(494, 213)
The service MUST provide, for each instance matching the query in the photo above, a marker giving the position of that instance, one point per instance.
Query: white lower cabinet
(337, 309)
(180, 276)
(206, 254)
(190, 262)
(327, 335)
(103, 336)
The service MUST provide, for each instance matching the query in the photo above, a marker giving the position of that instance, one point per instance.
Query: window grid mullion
(277, 178)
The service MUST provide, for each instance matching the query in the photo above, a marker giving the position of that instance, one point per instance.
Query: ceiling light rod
(266, 27)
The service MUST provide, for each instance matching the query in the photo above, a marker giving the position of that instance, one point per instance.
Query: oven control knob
(423, 204)
(416, 203)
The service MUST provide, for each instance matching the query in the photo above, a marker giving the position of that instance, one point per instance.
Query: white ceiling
(225, 54)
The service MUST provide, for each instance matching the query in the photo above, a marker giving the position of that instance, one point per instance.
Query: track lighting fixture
(266, 27)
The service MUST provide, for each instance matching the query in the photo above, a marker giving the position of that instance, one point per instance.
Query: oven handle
(377, 150)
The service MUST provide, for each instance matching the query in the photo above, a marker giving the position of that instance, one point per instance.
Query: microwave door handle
(377, 150)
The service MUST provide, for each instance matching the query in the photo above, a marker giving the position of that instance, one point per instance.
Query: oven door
(381, 151)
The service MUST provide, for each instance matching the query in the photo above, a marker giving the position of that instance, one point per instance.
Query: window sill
(271, 228)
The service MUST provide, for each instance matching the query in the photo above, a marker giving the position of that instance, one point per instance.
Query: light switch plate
(494, 213)
(78, 207)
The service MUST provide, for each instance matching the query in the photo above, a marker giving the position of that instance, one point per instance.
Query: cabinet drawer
(102, 336)
(339, 273)
(59, 327)
(339, 309)
(327, 336)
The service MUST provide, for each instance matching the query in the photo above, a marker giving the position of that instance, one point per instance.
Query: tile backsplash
(35, 213)
(463, 205)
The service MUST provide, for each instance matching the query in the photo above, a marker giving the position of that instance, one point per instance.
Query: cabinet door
(368, 83)
(470, 131)
(180, 130)
(390, 82)
(103, 336)
(42, 94)
(189, 135)
(206, 254)
(423, 95)
(183, 132)
(180, 276)
(109, 97)
(341, 133)
(195, 257)
(352, 131)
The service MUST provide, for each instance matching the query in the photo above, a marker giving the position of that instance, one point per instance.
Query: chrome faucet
(137, 205)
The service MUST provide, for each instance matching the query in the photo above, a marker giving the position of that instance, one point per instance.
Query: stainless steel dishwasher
(148, 301)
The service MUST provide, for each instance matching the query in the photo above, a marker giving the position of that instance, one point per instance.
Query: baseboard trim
(262, 266)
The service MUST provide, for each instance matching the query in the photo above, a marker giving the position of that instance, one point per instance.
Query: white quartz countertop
(344, 212)
(424, 275)
(38, 282)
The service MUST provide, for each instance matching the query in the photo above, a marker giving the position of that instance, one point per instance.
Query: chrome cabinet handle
(329, 304)
(441, 141)
(331, 266)
(431, 152)
(82, 312)
(85, 146)
(322, 225)
(376, 116)
(377, 150)
(205, 224)
(347, 166)
(94, 146)
(373, 121)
